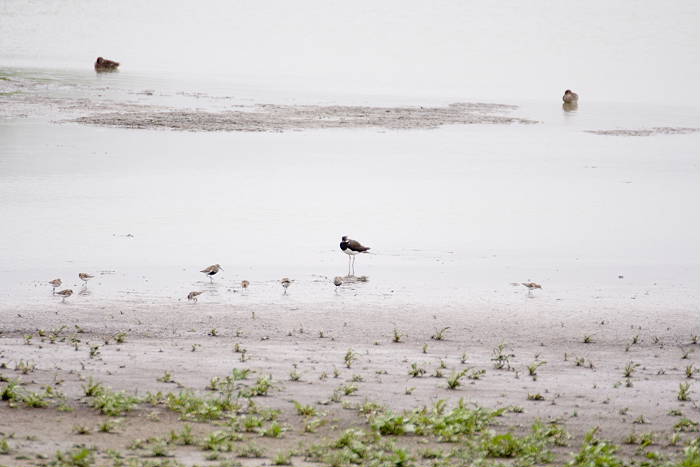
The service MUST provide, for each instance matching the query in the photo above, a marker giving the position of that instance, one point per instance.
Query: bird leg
(349, 261)
(353, 266)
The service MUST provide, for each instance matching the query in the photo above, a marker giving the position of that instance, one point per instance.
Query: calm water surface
(453, 215)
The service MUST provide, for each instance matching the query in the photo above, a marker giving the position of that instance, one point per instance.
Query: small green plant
(416, 371)
(348, 389)
(166, 378)
(630, 368)
(349, 358)
(305, 410)
(439, 335)
(25, 367)
(501, 357)
(463, 358)
(282, 458)
(684, 391)
(95, 351)
(424, 349)
(535, 397)
(532, 368)
(397, 336)
(685, 425)
(455, 379)
(689, 371)
(294, 375)
(635, 339)
(108, 426)
(251, 451)
(588, 339)
(213, 332)
(81, 430)
(120, 337)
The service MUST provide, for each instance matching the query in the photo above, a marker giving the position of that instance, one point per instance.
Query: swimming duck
(102, 64)
(570, 97)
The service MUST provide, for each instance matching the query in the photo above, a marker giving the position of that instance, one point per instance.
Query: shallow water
(454, 215)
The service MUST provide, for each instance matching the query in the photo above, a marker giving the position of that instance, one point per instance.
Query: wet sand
(583, 355)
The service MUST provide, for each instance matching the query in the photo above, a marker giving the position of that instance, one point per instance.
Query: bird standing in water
(285, 283)
(84, 276)
(65, 293)
(337, 281)
(351, 248)
(55, 284)
(245, 284)
(211, 270)
(531, 286)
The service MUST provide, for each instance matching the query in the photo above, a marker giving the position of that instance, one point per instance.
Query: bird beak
(221, 268)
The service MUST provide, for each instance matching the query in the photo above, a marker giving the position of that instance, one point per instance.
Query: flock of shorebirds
(350, 247)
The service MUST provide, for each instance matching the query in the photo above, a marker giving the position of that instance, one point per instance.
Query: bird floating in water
(102, 64)
(211, 270)
(285, 283)
(245, 284)
(55, 284)
(570, 97)
(531, 286)
(65, 293)
(193, 296)
(351, 248)
(84, 276)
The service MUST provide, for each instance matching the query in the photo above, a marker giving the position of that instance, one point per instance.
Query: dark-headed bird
(102, 64)
(211, 270)
(351, 248)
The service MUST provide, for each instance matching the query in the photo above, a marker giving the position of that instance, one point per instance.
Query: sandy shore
(583, 355)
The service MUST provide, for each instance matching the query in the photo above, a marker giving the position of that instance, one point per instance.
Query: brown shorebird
(352, 248)
(570, 97)
(337, 281)
(102, 64)
(531, 286)
(65, 293)
(211, 270)
(285, 283)
(245, 284)
(193, 296)
(55, 283)
(85, 277)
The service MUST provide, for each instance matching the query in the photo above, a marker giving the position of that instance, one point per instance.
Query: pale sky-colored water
(622, 51)
(454, 215)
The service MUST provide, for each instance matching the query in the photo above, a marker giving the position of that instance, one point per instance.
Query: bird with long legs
(55, 284)
(65, 293)
(531, 286)
(211, 271)
(85, 277)
(352, 248)
(285, 283)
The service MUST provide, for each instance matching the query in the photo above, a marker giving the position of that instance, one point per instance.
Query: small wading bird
(337, 281)
(245, 284)
(85, 277)
(531, 286)
(351, 248)
(193, 296)
(65, 293)
(55, 283)
(285, 283)
(211, 270)
(570, 97)
(102, 64)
